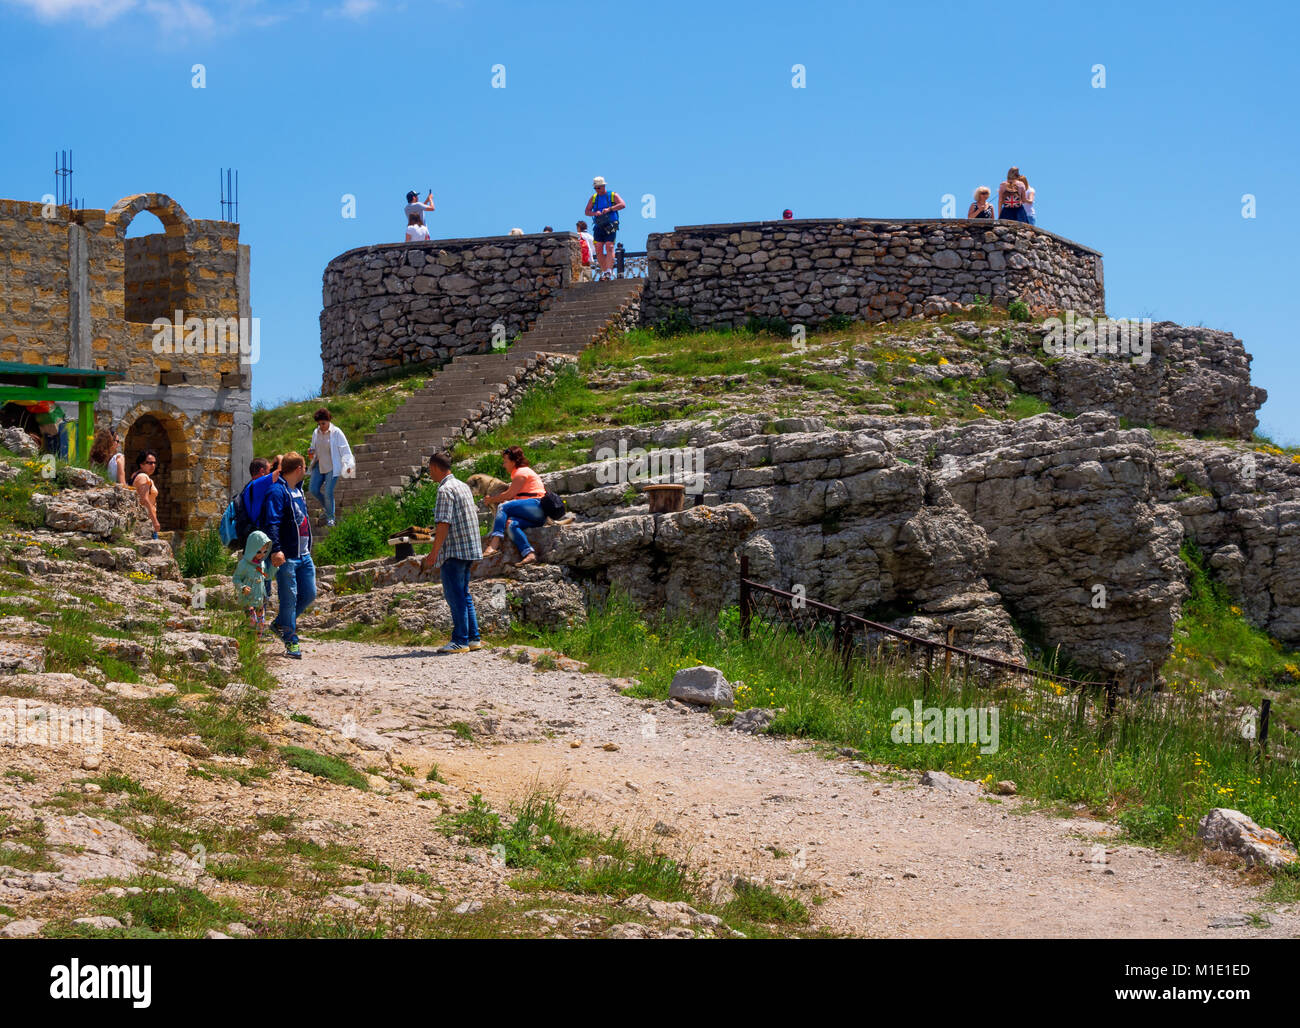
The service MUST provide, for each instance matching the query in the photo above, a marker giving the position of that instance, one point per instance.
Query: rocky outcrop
(1241, 506)
(1081, 549)
(838, 515)
(1190, 379)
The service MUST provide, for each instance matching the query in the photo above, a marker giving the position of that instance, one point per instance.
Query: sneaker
(477, 644)
(443, 651)
(329, 522)
(292, 650)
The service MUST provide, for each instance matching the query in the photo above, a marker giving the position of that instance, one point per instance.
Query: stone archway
(156, 269)
(149, 428)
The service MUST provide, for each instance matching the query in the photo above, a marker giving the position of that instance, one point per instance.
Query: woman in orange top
(518, 506)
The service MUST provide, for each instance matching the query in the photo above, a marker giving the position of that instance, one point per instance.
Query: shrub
(1018, 310)
(203, 553)
(675, 323)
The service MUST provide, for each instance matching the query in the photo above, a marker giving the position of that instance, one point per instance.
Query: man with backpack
(242, 512)
(604, 206)
(284, 519)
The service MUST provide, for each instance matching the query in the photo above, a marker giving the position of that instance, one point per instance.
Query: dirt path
(890, 858)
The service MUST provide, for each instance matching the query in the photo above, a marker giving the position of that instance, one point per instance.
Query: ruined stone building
(76, 293)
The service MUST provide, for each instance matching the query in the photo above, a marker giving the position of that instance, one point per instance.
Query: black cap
(412, 196)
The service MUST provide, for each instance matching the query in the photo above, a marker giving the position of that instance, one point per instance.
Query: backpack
(226, 529)
(236, 524)
(586, 250)
(552, 506)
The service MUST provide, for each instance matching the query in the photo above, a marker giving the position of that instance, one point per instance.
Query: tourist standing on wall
(331, 457)
(146, 466)
(518, 506)
(603, 207)
(284, 519)
(980, 206)
(456, 546)
(587, 246)
(1011, 197)
(1028, 205)
(415, 208)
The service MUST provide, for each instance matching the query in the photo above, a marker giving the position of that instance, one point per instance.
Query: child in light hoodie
(251, 581)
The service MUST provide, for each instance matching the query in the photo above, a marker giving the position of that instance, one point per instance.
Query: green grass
(1150, 755)
(164, 909)
(203, 553)
(289, 426)
(363, 532)
(332, 769)
(1215, 647)
(553, 854)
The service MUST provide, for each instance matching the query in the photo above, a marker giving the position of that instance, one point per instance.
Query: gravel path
(887, 857)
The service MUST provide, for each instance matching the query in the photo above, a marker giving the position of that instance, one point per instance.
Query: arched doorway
(149, 433)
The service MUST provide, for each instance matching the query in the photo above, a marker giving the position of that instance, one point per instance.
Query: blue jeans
(295, 584)
(528, 512)
(455, 590)
(327, 497)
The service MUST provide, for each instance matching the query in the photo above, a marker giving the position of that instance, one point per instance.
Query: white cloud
(173, 17)
(180, 16)
(355, 9)
(97, 12)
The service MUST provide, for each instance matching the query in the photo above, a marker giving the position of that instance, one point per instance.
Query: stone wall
(421, 303)
(808, 271)
(75, 292)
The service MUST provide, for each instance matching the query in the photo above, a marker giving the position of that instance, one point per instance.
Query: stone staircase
(432, 419)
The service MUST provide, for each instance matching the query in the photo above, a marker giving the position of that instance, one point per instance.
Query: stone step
(431, 418)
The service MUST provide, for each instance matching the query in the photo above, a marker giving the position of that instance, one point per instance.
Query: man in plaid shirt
(457, 541)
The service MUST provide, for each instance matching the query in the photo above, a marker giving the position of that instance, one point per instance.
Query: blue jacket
(255, 494)
(280, 521)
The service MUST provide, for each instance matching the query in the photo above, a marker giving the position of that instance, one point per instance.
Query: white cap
(598, 181)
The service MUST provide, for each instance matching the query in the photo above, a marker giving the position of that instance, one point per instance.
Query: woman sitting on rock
(518, 506)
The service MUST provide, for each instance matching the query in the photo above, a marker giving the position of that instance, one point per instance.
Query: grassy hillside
(289, 426)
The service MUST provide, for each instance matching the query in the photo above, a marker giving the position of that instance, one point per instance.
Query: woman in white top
(108, 452)
(416, 230)
(331, 457)
(1028, 205)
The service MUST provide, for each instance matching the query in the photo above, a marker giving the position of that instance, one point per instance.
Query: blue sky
(692, 103)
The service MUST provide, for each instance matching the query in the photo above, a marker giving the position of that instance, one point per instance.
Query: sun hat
(598, 181)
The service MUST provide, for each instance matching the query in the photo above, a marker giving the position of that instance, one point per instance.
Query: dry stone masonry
(810, 271)
(424, 303)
